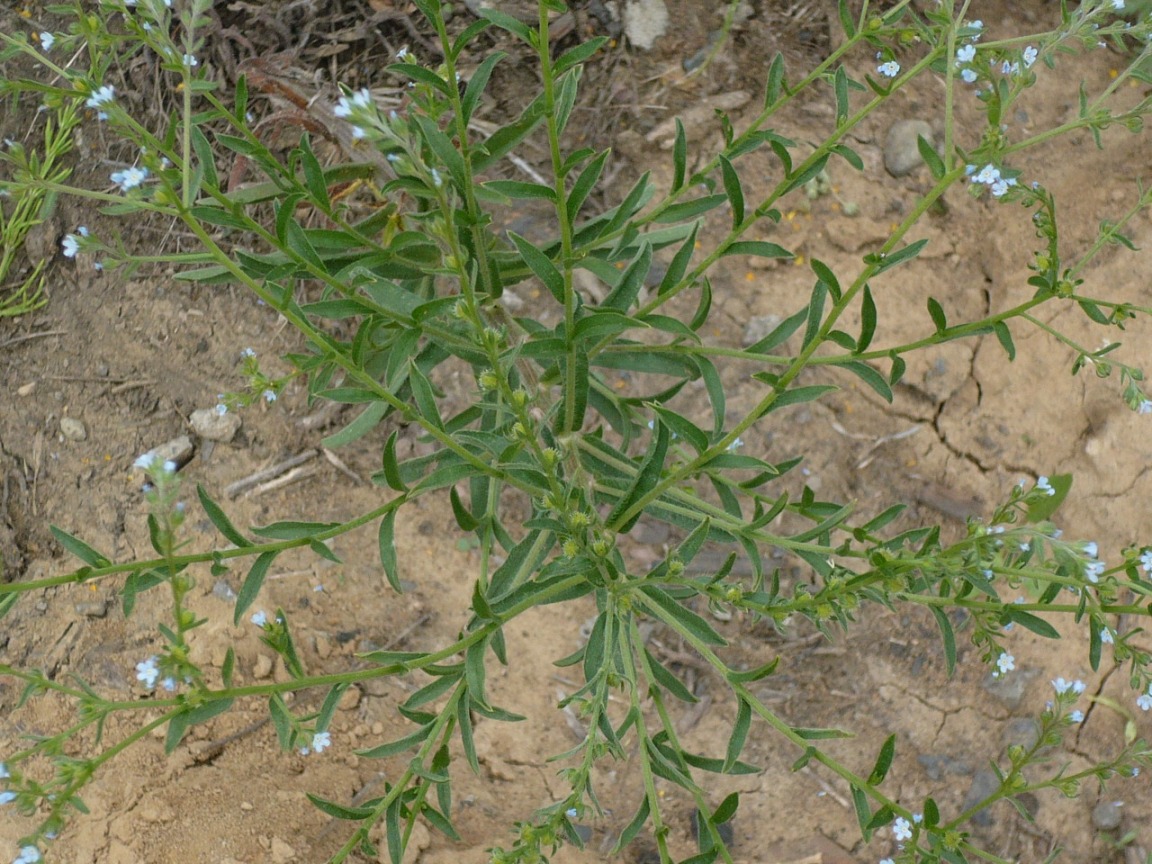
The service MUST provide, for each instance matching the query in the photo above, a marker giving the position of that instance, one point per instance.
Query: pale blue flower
(4, 775)
(1005, 663)
(221, 409)
(101, 97)
(1076, 716)
(169, 684)
(1093, 570)
(1061, 686)
(1030, 55)
(190, 61)
(248, 353)
(736, 445)
(28, 855)
(321, 741)
(47, 40)
(1144, 702)
(129, 178)
(362, 98)
(1145, 407)
(968, 76)
(890, 69)
(966, 54)
(1045, 486)
(7, 797)
(144, 462)
(987, 175)
(259, 618)
(1091, 549)
(902, 830)
(147, 671)
(1118, 5)
(269, 395)
(1106, 636)
(70, 245)
(404, 55)
(1146, 560)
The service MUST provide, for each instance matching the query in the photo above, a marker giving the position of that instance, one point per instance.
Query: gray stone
(1106, 815)
(937, 765)
(92, 608)
(211, 426)
(73, 429)
(984, 783)
(645, 21)
(178, 451)
(901, 151)
(1010, 687)
(1021, 732)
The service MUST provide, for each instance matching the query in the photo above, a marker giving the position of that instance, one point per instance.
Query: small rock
(247, 806)
(26, 389)
(1010, 688)
(282, 853)
(73, 429)
(901, 151)
(211, 426)
(1106, 815)
(262, 668)
(93, 608)
(1021, 732)
(758, 327)
(222, 590)
(936, 766)
(178, 451)
(645, 21)
(350, 699)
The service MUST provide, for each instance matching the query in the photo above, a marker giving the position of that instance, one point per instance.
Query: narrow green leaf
(841, 87)
(893, 259)
(679, 264)
(647, 476)
(364, 423)
(686, 210)
(478, 82)
(580, 54)
(541, 265)
(937, 312)
(387, 543)
(1004, 335)
(464, 519)
(750, 675)
(339, 811)
(669, 681)
(780, 334)
(219, 519)
(776, 84)
(679, 157)
(638, 821)
(759, 249)
(314, 175)
(391, 466)
(395, 748)
(739, 734)
(681, 616)
(846, 20)
(815, 312)
(863, 811)
(883, 761)
(1031, 622)
(867, 320)
(79, 549)
(584, 185)
(252, 584)
(228, 666)
(930, 156)
(871, 377)
(733, 190)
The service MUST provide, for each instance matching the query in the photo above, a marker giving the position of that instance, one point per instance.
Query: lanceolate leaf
(647, 476)
(252, 584)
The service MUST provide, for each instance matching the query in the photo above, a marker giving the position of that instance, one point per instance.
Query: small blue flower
(1145, 407)
(248, 353)
(968, 76)
(190, 61)
(1146, 560)
(221, 409)
(966, 54)
(1118, 5)
(890, 69)
(1030, 55)
(1093, 570)
(101, 97)
(144, 462)
(4, 775)
(1076, 716)
(259, 618)
(269, 395)
(362, 98)
(47, 40)
(321, 741)
(71, 245)
(1005, 663)
(129, 178)
(902, 830)
(147, 672)
(1044, 486)
(7, 797)
(28, 855)
(169, 684)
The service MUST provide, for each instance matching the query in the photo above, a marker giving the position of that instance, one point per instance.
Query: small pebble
(901, 149)
(92, 608)
(262, 668)
(1106, 815)
(73, 429)
(211, 426)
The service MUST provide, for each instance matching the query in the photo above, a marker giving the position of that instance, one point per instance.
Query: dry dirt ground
(132, 359)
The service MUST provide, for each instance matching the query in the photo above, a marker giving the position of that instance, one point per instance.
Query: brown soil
(133, 358)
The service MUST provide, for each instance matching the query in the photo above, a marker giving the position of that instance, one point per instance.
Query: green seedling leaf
(937, 312)
(679, 157)
(739, 734)
(1004, 336)
(930, 156)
